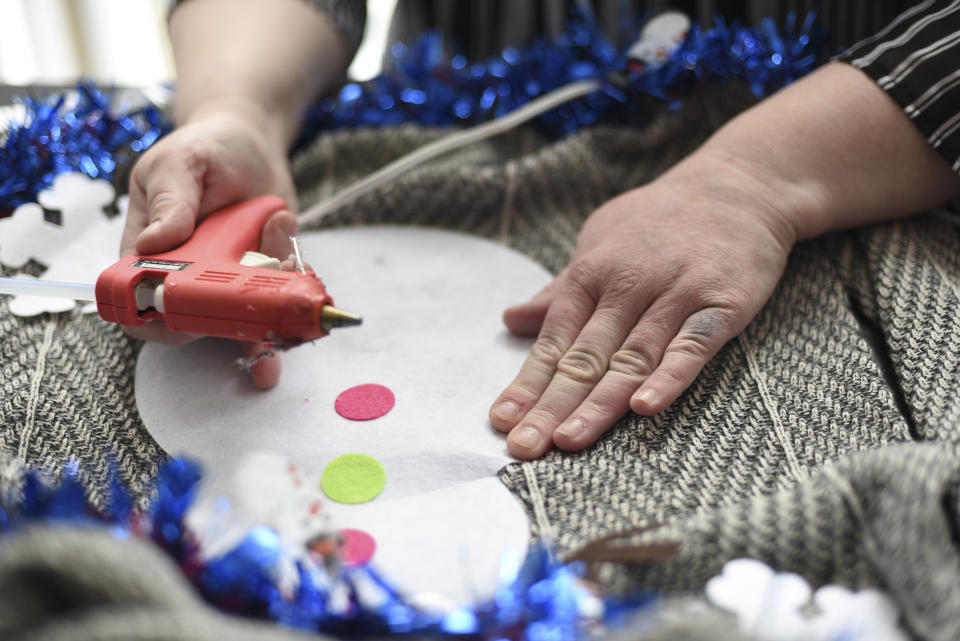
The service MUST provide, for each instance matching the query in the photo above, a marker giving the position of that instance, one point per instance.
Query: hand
(661, 278)
(205, 165)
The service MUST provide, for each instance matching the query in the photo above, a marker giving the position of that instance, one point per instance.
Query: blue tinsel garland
(423, 87)
(88, 135)
(541, 604)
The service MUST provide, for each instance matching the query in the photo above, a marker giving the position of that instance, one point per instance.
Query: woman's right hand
(220, 157)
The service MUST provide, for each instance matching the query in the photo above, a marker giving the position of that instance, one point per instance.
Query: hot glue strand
(297, 257)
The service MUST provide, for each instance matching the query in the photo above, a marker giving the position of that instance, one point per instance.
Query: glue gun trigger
(256, 259)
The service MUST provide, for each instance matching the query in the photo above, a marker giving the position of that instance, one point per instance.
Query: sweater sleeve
(347, 16)
(916, 60)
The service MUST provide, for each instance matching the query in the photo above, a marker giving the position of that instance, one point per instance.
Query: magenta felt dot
(358, 547)
(364, 402)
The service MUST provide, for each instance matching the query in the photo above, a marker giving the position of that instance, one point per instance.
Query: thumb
(526, 318)
(172, 201)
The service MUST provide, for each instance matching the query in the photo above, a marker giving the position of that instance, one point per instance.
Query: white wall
(119, 42)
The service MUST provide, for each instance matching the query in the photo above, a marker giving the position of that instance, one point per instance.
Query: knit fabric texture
(822, 440)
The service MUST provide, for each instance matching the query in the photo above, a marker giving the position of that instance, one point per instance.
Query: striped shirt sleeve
(916, 60)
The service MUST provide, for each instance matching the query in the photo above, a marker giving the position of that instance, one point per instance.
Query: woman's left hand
(661, 278)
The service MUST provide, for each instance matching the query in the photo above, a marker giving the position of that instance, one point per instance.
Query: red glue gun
(216, 284)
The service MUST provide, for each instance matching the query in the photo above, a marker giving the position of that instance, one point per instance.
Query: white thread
(506, 215)
(539, 506)
(771, 408)
(849, 495)
(34, 397)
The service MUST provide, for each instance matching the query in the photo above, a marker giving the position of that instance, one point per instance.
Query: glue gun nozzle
(332, 317)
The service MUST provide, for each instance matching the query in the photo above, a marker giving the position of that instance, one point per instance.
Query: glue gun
(215, 284)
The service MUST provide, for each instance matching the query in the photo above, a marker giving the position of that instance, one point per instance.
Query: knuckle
(632, 363)
(543, 415)
(143, 170)
(625, 286)
(194, 155)
(140, 169)
(701, 335)
(163, 201)
(584, 273)
(692, 346)
(523, 393)
(582, 364)
(673, 377)
(547, 350)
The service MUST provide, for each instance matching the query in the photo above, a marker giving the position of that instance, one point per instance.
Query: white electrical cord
(448, 143)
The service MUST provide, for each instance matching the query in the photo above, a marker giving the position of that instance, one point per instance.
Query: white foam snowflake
(77, 250)
(772, 606)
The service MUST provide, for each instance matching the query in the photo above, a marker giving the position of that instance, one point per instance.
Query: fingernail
(572, 428)
(527, 437)
(647, 396)
(507, 411)
(152, 227)
(289, 226)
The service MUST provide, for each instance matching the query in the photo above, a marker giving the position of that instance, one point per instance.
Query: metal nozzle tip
(332, 317)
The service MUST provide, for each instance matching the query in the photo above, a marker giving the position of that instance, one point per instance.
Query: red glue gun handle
(206, 291)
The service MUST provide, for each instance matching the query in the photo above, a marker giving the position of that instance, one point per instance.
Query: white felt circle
(431, 303)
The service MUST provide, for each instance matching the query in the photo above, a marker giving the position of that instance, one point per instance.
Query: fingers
(157, 332)
(136, 220)
(264, 364)
(700, 338)
(631, 363)
(646, 375)
(275, 239)
(576, 373)
(606, 363)
(614, 363)
(561, 325)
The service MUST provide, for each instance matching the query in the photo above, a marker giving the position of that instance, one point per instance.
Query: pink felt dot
(358, 547)
(364, 402)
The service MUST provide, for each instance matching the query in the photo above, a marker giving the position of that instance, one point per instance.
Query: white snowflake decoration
(75, 251)
(772, 606)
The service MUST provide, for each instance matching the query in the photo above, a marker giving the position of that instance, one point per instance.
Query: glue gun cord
(447, 143)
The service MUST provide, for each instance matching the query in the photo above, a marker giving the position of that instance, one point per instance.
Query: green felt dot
(353, 478)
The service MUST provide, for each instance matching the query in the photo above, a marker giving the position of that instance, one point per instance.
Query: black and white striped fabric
(916, 60)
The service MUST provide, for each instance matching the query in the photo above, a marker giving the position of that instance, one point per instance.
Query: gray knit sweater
(822, 440)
